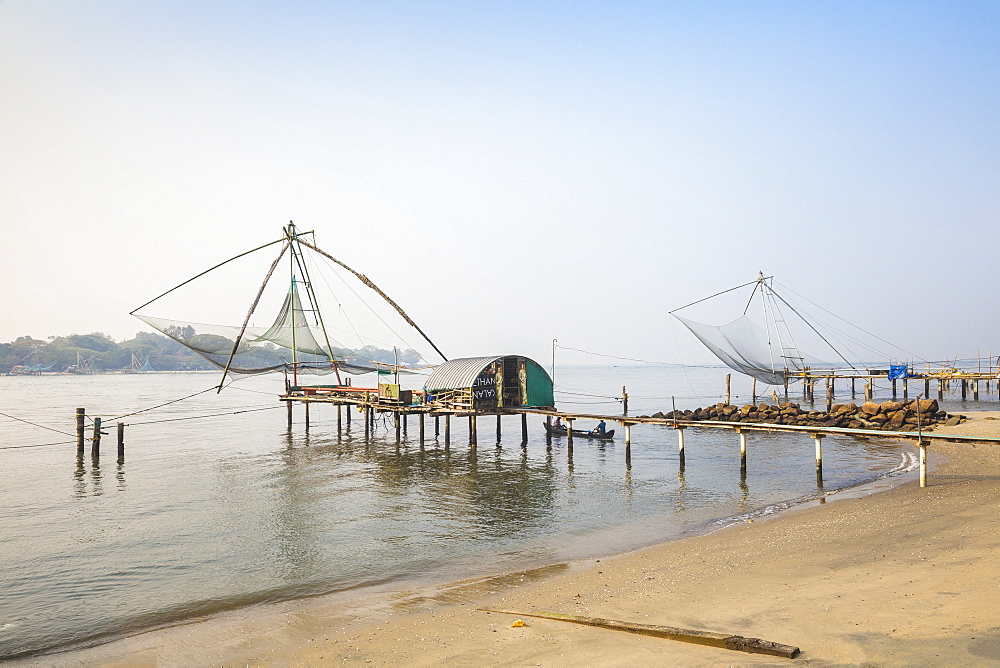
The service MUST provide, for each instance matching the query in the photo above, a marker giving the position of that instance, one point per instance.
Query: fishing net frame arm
(364, 279)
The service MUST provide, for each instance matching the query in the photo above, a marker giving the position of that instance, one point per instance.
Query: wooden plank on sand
(722, 640)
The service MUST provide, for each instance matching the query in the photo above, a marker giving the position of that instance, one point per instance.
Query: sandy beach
(908, 576)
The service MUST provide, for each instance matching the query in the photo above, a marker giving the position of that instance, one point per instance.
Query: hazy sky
(510, 172)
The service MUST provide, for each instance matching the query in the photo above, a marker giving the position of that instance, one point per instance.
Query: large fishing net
(327, 320)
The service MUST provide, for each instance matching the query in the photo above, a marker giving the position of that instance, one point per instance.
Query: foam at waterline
(908, 462)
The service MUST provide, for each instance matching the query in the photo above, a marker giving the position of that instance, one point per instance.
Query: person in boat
(558, 423)
(601, 428)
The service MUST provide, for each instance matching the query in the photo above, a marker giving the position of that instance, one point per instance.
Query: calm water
(213, 513)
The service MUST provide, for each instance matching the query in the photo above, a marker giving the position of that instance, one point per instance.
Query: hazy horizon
(510, 174)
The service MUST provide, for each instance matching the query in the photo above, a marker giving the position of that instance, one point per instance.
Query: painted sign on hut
(487, 383)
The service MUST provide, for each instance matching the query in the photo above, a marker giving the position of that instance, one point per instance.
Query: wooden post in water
(975, 390)
(786, 387)
(499, 438)
(95, 443)
(421, 429)
(437, 426)
(819, 454)
(729, 378)
(854, 392)
(81, 427)
(569, 433)
(473, 437)
(829, 395)
(965, 389)
(624, 401)
(940, 388)
(868, 390)
(406, 425)
(628, 435)
(743, 448)
(680, 446)
(288, 405)
(395, 421)
(753, 391)
(524, 428)
(893, 389)
(368, 421)
(121, 440)
(307, 416)
(447, 429)
(906, 389)
(340, 416)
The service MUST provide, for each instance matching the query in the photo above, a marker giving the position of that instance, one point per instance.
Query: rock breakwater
(887, 416)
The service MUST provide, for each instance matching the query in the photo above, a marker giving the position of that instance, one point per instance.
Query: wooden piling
(288, 405)
(396, 423)
(786, 388)
(923, 462)
(406, 425)
(524, 428)
(340, 414)
(307, 415)
(368, 421)
(347, 412)
(927, 387)
(819, 454)
(941, 388)
(906, 390)
(437, 426)
(854, 392)
(893, 389)
(95, 442)
(421, 429)
(81, 429)
(753, 391)
(729, 378)
(680, 446)
(447, 429)
(121, 440)
(624, 401)
(743, 448)
(829, 395)
(975, 390)
(473, 436)
(499, 436)
(569, 433)
(965, 388)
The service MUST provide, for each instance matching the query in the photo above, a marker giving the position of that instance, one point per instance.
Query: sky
(510, 172)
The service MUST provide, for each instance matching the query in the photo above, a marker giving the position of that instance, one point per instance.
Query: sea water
(217, 504)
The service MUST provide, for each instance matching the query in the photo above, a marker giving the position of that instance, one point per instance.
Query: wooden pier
(369, 402)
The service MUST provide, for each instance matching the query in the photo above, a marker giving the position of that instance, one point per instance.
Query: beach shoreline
(848, 582)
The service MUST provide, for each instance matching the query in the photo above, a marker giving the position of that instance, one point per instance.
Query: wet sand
(908, 576)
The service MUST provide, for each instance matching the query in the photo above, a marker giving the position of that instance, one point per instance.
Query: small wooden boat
(580, 433)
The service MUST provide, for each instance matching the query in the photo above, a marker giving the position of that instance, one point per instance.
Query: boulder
(891, 407)
(870, 408)
(928, 406)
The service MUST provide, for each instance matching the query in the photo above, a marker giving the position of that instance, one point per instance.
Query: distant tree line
(98, 352)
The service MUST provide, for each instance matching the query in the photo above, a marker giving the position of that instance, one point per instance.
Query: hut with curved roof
(490, 383)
